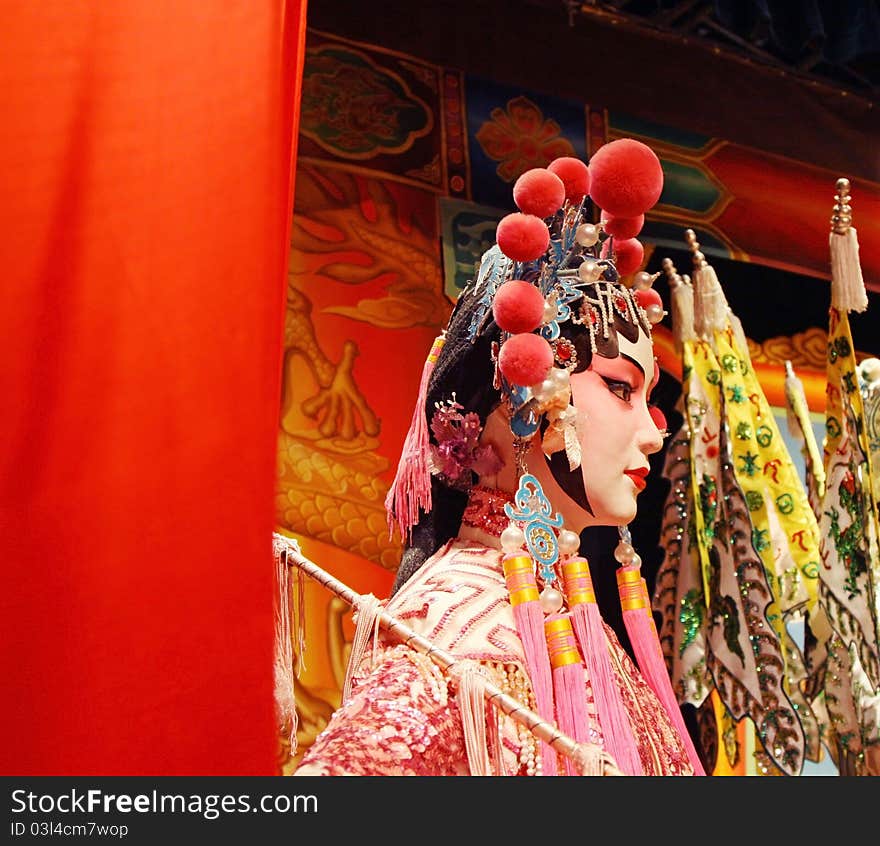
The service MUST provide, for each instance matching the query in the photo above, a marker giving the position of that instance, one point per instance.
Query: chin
(620, 512)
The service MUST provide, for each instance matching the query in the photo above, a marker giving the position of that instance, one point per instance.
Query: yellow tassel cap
(561, 642)
(578, 582)
(631, 587)
(520, 577)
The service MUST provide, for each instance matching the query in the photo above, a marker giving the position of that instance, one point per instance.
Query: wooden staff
(589, 758)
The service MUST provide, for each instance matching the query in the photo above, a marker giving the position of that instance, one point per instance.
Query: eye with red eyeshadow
(622, 376)
(620, 388)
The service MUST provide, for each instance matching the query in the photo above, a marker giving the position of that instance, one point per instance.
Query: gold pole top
(699, 259)
(841, 217)
(671, 272)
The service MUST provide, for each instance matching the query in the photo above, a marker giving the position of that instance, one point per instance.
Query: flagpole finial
(847, 284)
(841, 216)
(672, 274)
(699, 259)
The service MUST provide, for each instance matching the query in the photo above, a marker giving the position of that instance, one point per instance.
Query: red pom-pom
(648, 296)
(628, 255)
(525, 359)
(539, 192)
(622, 227)
(575, 175)
(626, 178)
(518, 306)
(522, 237)
(658, 417)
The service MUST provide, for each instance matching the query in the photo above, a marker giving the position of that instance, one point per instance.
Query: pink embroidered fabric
(402, 718)
(399, 721)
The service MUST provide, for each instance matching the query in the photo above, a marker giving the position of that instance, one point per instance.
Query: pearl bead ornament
(551, 600)
(555, 386)
(544, 391)
(624, 553)
(586, 234)
(655, 313)
(589, 271)
(512, 539)
(569, 542)
(560, 378)
(643, 280)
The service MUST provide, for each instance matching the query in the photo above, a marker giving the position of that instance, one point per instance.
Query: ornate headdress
(553, 291)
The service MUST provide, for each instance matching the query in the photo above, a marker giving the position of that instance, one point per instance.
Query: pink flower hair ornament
(458, 452)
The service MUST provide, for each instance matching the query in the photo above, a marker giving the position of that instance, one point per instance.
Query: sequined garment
(402, 719)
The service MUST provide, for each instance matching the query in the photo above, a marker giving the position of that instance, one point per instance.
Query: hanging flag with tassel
(679, 598)
(756, 557)
(845, 655)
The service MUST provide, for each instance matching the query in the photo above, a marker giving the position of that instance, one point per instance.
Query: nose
(651, 434)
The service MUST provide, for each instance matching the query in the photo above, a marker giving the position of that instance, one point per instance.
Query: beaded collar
(485, 510)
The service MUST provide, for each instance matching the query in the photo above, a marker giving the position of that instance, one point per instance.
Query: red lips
(638, 476)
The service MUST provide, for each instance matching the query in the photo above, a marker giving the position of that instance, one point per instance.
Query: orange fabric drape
(146, 166)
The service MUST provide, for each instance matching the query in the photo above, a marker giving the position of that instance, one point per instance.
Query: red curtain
(146, 165)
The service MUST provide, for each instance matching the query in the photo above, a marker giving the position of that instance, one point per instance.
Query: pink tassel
(569, 682)
(529, 618)
(616, 728)
(411, 488)
(642, 631)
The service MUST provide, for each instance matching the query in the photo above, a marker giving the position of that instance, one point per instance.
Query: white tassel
(681, 299)
(366, 624)
(285, 696)
(590, 760)
(472, 704)
(711, 312)
(847, 285)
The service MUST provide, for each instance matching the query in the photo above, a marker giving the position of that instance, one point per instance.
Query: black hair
(465, 367)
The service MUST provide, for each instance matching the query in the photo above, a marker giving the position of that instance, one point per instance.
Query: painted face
(616, 428)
